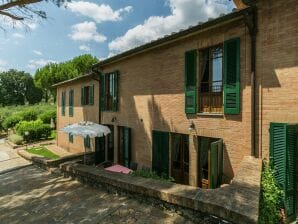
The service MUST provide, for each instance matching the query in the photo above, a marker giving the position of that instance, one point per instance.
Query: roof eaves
(73, 80)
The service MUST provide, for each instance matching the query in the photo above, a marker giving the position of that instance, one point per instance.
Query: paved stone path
(32, 195)
(9, 159)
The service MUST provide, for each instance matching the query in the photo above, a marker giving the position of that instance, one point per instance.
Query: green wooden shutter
(215, 164)
(283, 146)
(70, 137)
(87, 142)
(71, 98)
(191, 82)
(160, 152)
(127, 146)
(232, 76)
(100, 150)
(115, 90)
(91, 95)
(102, 92)
(82, 96)
(63, 103)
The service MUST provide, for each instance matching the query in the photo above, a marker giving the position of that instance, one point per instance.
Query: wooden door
(100, 155)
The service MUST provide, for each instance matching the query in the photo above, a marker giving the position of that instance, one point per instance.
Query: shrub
(151, 174)
(29, 114)
(270, 199)
(36, 130)
(47, 116)
(16, 139)
(11, 121)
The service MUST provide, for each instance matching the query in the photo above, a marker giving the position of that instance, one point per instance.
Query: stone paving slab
(32, 195)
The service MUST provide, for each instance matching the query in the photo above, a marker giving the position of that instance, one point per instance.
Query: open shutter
(102, 92)
(191, 82)
(127, 146)
(100, 150)
(71, 96)
(232, 76)
(91, 95)
(63, 103)
(115, 90)
(215, 164)
(160, 152)
(283, 144)
(82, 96)
(87, 141)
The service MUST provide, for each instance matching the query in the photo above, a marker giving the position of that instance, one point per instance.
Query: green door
(127, 146)
(283, 147)
(100, 155)
(160, 152)
(216, 164)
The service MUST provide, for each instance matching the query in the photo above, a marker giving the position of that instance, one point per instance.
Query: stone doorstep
(237, 202)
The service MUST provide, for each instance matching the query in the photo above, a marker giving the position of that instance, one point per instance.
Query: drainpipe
(251, 23)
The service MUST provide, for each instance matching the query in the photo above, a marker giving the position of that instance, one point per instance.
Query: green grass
(42, 151)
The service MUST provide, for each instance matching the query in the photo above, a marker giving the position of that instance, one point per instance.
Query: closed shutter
(91, 95)
(102, 92)
(127, 146)
(82, 96)
(216, 164)
(115, 91)
(87, 142)
(63, 103)
(71, 97)
(160, 152)
(283, 145)
(232, 76)
(191, 82)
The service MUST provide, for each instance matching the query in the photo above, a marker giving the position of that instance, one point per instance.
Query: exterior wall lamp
(191, 126)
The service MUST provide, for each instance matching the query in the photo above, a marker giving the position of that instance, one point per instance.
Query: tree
(16, 88)
(84, 62)
(21, 10)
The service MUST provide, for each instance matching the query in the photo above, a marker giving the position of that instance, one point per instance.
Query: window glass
(216, 69)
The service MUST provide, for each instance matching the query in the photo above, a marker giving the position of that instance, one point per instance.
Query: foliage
(11, 121)
(29, 114)
(270, 197)
(53, 134)
(17, 88)
(16, 139)
(151, 174)
(42, 151)
(53, 73)
(47, 116)
(36, 130)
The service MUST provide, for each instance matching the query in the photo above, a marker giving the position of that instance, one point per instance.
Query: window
(87, 95)
(71, 96)
(70, 137)
(87, 142)
(109, 91)
(63, 97)
(211, 80)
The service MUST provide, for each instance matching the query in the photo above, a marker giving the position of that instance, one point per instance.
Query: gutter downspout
(251, 23)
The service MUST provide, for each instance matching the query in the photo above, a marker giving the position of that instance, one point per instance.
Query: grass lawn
(42, 151)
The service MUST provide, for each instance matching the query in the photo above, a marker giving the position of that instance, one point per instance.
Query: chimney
(239, 4)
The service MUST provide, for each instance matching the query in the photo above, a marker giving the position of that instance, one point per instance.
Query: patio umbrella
(87, 128)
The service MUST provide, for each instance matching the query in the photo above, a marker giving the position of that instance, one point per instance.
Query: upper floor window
(63, 101)
(87, 95)
(70, 103)
(109, 91)
(210, 89)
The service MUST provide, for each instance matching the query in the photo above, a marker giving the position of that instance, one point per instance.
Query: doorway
(100, 154)
(110, 144)
(124, 146)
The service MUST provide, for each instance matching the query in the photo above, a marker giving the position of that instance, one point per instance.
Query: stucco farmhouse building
(192, 104)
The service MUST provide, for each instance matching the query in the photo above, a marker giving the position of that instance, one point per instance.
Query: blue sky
(101, 28)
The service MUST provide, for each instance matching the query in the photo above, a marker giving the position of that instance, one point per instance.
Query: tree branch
(18, 3)
(11, 16)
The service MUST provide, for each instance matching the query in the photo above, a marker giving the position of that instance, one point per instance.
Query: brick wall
(80, 113)
(152, 98)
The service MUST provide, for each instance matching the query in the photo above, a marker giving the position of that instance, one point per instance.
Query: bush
(271, 195)
(47, 116)
(151, 174)
(29, 114)
(16, 139)
(11, 121)
(36, 130)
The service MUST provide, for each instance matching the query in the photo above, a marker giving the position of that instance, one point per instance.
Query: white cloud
(86, 31)
(9, 24)
(18, 35)
(3, 65)
(34, 64)
(99, 13)
(84, 48)
(37, 52)
(183, 14)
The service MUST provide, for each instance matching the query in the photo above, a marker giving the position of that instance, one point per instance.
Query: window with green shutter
(63, 100)
(160, 152)
(70, 103)
(109, 86)
(87, 95)
(91, 95)
(191, 82)
(70, 138)
(232, 76)
(283, 154)
(102, 92)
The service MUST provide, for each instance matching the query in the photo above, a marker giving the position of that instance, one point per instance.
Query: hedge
(36, 130)
(47, 116)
